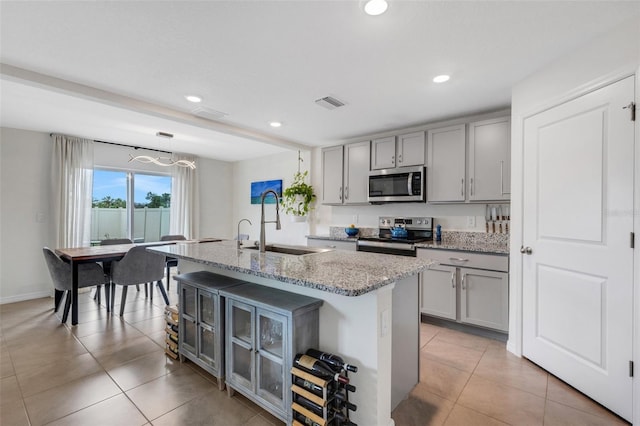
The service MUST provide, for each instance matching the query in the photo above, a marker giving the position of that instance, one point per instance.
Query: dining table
(107, 253)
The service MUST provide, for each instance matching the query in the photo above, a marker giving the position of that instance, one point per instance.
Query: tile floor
(112, 370)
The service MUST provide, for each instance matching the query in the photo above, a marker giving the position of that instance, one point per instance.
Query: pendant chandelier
(162, 161)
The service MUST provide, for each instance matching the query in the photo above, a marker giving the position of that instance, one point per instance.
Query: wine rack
(318, 400)
(171, 331)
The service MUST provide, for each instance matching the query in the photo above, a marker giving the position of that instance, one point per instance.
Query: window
(145, 219)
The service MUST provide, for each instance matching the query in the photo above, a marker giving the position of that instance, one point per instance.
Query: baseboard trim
(26, 296)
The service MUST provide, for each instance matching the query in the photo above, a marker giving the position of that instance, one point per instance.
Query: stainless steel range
(393, 239)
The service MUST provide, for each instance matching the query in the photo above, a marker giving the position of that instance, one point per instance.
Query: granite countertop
(348, 273)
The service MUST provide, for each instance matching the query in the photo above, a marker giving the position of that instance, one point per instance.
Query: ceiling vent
(208, 113)
(329, 102)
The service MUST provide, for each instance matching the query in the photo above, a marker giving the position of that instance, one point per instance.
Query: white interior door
(578, 219)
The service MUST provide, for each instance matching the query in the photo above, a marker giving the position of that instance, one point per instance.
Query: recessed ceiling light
(193, 98)
(441, 78)
(275, 124)
(375, 7)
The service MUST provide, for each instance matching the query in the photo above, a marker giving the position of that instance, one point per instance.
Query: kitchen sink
(294, 250)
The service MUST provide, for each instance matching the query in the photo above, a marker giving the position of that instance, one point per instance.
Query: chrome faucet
(241, 220)
(263, 244)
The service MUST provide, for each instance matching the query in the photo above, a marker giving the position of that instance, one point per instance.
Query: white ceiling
(118, 71)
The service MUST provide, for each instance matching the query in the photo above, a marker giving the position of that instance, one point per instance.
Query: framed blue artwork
(257, 188)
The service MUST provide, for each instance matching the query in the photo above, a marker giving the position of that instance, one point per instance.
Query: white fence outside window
(148, 224)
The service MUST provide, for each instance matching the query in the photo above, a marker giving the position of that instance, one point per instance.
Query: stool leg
(168, 276)
(67, 306)
(164, 293)
(124, 299)
(113, 295)
(107, 290)
(57, 299)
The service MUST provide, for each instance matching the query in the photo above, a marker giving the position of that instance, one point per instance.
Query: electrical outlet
(354, 219)
(471, 221)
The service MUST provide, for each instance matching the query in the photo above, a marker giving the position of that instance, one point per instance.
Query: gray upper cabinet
(383, 153)
(332, 175)
(403, 150)
(356, 173)
(446, 164)
(410, 149)
(489, 160)
(345, 174)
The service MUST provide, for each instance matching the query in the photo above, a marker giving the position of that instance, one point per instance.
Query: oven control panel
(386, 222)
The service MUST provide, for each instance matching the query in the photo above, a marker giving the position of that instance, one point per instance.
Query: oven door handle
(383, 245)
(409, 186)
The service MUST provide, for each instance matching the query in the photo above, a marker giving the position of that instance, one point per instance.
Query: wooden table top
(103, 252)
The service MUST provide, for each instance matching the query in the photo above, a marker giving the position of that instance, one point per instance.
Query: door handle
(346, 192)
(464, 286)
(462, 187)
(526, 250)
(453, 280)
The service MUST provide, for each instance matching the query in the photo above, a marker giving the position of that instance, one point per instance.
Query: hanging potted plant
(297, 198)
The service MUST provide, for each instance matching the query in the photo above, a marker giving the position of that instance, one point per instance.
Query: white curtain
(72, 182)
(184, 200)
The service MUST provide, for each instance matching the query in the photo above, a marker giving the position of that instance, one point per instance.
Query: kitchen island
(370, 312)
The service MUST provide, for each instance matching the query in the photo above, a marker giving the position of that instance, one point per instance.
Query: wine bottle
(347, 387)
(312, 387)
(332, 387)
(341, 402)
(332, 360)
(311, 406)
(318, 368)
(303, 419)
(339, 405)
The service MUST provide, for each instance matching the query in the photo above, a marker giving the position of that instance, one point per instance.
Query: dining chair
(138, 266)
(89, 275)
(107, 266)
(171, 261)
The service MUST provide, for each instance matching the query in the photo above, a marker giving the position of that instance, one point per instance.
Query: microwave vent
(208, 113)
(329, 102)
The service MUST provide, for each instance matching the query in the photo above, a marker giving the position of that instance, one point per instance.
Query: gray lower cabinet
(469, 288)
(201, 326)
(265, 329)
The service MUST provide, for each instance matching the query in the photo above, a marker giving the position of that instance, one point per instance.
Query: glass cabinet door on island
(240, 344)
(266, 327)
(201, 311)
(270, 364)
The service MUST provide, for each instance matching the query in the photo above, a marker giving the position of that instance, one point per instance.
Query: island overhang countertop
(348, 273)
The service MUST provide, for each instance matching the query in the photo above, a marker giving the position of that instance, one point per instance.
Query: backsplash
(338, 232)
(474, 238)
(451, 237)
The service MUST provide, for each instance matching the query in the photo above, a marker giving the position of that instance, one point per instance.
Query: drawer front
(493, 262)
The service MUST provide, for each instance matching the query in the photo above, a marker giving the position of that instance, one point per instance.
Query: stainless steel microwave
(397, 185)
